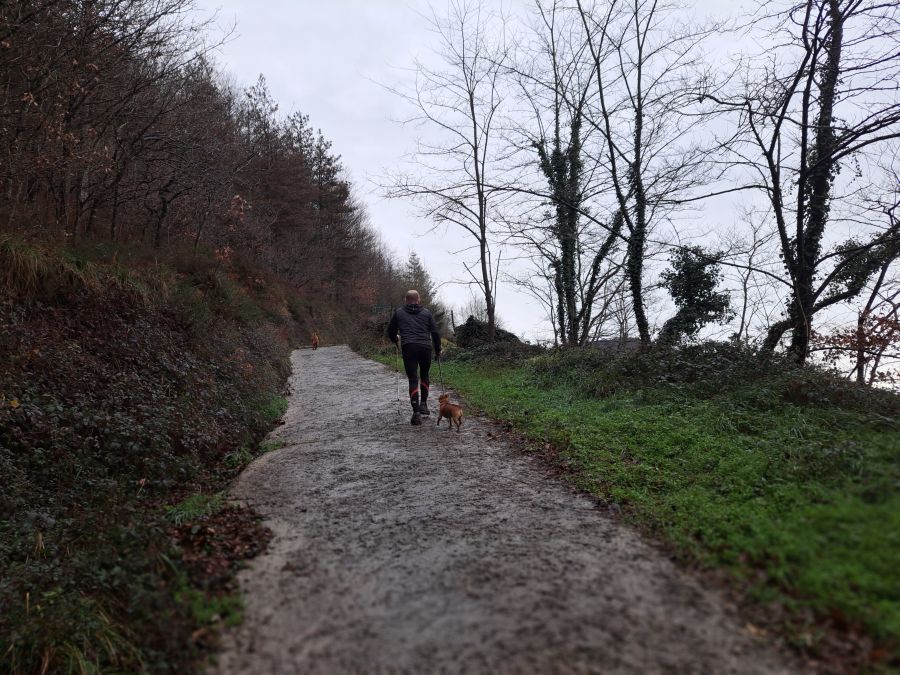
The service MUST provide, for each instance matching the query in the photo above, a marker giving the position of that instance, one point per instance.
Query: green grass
(242, 456)
(273, 408)
(87, 639)
(807, 495)
(270, 446)
(204, 607)
(238, 458)
(207, 609)
(194, 507)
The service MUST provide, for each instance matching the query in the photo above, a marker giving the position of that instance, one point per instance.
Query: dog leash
(441, 371)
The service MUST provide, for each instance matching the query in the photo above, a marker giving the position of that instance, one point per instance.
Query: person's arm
(435, 334)
(392, 329)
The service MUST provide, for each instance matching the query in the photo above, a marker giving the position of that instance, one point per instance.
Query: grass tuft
(211, 609)
(76, 636)
(242, 456)
(36, 271)
(271, 446)
(274, 408)
(238, 458)
(23, 267)
(194, 507)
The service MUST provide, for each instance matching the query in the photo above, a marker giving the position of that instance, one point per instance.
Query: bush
(711, 369)
(500, 353)
(474, 333)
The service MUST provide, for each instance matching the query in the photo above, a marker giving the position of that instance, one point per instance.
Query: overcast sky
(332, 60)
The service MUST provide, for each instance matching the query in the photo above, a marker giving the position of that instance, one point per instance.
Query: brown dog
(453, 412)
(315, 340)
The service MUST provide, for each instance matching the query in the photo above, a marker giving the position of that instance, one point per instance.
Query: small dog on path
(453, 412)
(315, 340)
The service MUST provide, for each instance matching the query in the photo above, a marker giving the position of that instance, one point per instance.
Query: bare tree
(619, 318)
(572, 251)
(750, 264)
(459, 105)
(828, 100)
(648, 74)
(875, 336)
(81, 84)
(474, 308)
(538, 282)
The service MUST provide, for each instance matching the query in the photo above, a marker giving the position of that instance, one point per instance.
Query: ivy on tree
(691, 281)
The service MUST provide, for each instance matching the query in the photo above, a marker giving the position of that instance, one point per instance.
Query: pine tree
(416, 276)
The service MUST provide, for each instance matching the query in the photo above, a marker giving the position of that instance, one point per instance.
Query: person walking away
(418, 332)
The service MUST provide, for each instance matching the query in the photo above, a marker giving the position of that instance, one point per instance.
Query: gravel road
(403, 549)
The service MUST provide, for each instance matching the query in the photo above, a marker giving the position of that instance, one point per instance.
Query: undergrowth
(196, 506)
(130, 392)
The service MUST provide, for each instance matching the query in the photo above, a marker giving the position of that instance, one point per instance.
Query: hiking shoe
(416, 419)
(423, 409)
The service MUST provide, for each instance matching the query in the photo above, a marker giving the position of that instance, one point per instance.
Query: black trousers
(417, 363)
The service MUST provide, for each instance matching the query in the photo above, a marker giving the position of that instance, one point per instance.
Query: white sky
(330, 60)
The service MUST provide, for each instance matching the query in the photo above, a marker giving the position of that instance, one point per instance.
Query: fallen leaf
(755, 631)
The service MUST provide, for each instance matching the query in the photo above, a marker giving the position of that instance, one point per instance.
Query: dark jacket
(416, 326)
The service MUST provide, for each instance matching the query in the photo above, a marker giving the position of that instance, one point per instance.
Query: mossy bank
(130, 393)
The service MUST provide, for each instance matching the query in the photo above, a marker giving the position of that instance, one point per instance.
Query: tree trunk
(775, 333)
(160, 219)
(635, 283)
(558, 286)
(638, 237)
(821, 174)
(860, 348)
(562, 170)
(115, 212)
(199, 232)
(861, 328)
(488, 295)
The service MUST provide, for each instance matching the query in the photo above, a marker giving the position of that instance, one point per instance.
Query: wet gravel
(402, 549)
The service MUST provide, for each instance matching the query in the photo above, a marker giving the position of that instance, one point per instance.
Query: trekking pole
(397, 361)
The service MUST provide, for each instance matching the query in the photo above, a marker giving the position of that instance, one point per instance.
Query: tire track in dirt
(403, 549)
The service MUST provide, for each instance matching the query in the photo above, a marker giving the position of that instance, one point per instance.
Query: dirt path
(403, 549)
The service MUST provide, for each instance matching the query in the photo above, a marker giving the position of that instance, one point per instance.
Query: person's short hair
(412, 296)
